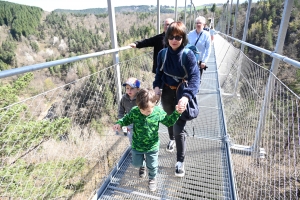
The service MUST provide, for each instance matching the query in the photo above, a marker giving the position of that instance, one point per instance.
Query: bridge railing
(271, 172)
(60, 143)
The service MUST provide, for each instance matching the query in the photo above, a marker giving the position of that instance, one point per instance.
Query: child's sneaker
(152, 185)
(142, 172)
(171, 146)
(179, 169)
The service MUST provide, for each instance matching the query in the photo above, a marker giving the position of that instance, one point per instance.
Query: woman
(202, 40)
(175, 40)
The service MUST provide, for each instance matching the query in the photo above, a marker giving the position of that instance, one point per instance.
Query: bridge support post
(246, 24)
(236, 14)
(158, 17)
(114, 42)
(271, 81)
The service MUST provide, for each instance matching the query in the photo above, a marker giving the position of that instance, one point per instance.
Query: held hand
(183, 101)
(157, 93)
(203, 65)
(117, 127)
(133, 45)
(180, 109)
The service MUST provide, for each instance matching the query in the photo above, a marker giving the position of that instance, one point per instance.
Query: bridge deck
(206, 162)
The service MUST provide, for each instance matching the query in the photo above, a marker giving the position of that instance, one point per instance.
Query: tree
(213, 10)
(205, 11)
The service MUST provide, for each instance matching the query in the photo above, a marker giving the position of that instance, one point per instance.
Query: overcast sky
(50, 5)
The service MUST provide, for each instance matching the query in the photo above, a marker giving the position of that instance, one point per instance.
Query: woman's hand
(183, 101)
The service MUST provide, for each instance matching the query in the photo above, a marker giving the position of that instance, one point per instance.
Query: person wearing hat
(128, 100)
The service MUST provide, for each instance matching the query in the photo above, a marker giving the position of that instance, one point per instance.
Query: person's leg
(138, 160)
(180, 137)
(168, 101)
(152, 163)
(201, 72)
(152, 166)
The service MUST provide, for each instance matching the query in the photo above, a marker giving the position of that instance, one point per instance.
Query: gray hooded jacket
(125, 105)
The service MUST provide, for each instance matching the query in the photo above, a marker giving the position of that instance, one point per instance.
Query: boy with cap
(128, 100)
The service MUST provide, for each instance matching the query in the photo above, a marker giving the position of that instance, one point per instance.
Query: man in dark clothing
(156, 41)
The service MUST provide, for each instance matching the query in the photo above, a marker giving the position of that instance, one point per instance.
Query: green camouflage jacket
(145, 128)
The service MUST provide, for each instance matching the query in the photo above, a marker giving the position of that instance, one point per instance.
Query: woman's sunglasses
(177, 37)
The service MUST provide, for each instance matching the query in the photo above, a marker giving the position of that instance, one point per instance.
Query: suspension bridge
(244, 144)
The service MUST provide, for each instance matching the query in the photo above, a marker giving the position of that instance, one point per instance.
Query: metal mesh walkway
(206, 162)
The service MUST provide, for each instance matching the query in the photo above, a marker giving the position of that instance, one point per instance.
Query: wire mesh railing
(59, 144)
(274, 172)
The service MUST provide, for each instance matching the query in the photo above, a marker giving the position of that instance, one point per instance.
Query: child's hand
(117, 127)
(157, 94)
(180, 109)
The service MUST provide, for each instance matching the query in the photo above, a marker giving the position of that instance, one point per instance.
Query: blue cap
(132, 82)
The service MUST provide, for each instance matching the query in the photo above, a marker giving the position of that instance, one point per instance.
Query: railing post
(229, 17)
(175, 10)
(274, 68)
(226, 19)
(158, 18)
(246, 24)
(114, 42)
(236, 14)
(191, 28)
(185, 12)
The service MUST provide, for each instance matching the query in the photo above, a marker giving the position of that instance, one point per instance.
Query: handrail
(270, 53)
(29, 68)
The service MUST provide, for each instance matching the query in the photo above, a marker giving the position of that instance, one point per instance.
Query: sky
(50, 5)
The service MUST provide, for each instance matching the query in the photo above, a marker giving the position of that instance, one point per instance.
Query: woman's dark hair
(143, 97)
(176, 28)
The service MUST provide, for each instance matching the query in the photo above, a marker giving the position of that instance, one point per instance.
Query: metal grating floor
(206, 162)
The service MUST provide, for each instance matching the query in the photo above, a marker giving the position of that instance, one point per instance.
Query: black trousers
(176, 132)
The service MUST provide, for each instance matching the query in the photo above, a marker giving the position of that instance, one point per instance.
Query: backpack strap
(164, 56)
(183, 61)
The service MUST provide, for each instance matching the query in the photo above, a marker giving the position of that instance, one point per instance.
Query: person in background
(128, 101)
(212, 33)
(202, 40)
(168, 80)
(156, 41)
(145, 141)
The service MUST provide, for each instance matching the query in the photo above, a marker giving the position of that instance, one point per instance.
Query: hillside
(43, 36)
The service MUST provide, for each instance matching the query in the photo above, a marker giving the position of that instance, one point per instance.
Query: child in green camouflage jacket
(145, 141)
